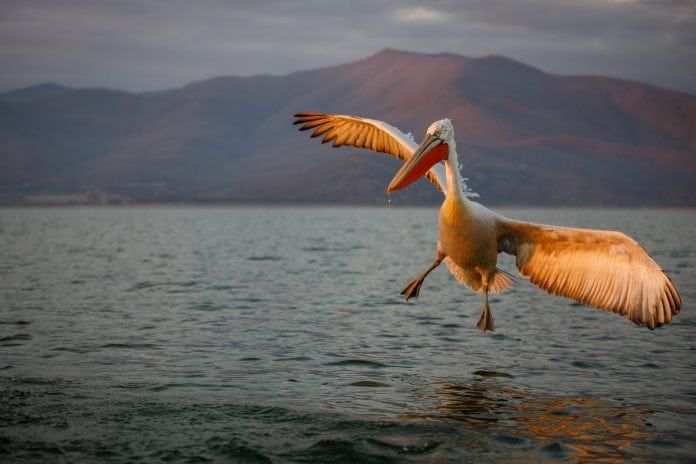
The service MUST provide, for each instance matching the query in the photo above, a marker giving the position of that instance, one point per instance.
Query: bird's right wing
(365, 133)
(607, 270)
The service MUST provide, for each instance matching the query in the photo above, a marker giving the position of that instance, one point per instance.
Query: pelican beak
(431, 151)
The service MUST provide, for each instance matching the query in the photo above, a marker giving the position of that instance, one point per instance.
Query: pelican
(604, 269)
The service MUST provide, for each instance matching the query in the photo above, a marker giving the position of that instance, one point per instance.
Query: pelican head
(434, 149)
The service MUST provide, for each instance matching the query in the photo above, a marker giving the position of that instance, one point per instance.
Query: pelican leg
(486, 320)
(413, 288)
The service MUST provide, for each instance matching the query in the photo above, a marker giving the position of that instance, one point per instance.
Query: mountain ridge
(525, 136)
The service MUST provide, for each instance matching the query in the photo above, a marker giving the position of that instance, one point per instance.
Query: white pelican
(607, 270)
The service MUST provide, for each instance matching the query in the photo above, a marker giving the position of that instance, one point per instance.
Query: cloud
(415, 14)
(155, 44)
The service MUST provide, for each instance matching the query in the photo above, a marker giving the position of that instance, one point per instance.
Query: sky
(149, 45)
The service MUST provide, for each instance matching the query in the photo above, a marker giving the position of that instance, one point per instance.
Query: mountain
(524, 137)
(35, 92)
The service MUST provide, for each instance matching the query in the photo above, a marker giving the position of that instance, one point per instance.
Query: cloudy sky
(142, 45)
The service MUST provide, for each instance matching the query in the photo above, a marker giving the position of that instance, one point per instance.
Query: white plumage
(607, 270)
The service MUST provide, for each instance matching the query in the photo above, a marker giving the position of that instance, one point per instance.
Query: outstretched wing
(607, 270)
(365, 133)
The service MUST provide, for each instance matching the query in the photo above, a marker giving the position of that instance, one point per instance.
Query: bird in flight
(604, 269)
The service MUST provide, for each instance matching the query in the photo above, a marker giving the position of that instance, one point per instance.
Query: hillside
(524, 137)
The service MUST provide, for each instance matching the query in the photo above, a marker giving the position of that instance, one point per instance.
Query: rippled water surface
(278, 335)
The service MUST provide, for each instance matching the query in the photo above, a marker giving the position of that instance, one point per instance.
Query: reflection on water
(598, 431)
(578, 429)
(278, 335)
(479, 403)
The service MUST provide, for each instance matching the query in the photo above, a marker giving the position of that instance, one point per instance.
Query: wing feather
(364, 133)
(502, 281)
(372, 138)
(351, 137)
(322, 129)
(342, 137)
(607, 270)
(312, 123)
(360, 139)
(379, 142)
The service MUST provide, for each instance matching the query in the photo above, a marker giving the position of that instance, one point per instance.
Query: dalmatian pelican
(607, 270)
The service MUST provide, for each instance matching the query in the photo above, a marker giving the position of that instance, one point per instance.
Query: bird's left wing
(365, 133)
(607, 270)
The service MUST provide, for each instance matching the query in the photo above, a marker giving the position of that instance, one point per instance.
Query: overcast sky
(155, 44)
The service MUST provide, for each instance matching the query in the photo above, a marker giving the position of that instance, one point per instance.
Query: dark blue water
(278, 335)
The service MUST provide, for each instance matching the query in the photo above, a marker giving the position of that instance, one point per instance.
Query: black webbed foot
(486, 321)
(412, 290)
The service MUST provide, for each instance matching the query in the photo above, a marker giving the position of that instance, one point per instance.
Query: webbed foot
(412, 290)
(486, 321)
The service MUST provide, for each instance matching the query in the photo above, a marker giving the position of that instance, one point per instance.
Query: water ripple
(278, 335)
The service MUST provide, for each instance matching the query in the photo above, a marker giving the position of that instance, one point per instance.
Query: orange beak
(431, 151)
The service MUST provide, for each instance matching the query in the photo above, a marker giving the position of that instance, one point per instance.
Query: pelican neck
(454, 181)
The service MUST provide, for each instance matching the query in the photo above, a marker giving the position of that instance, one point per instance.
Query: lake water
(278, 335)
